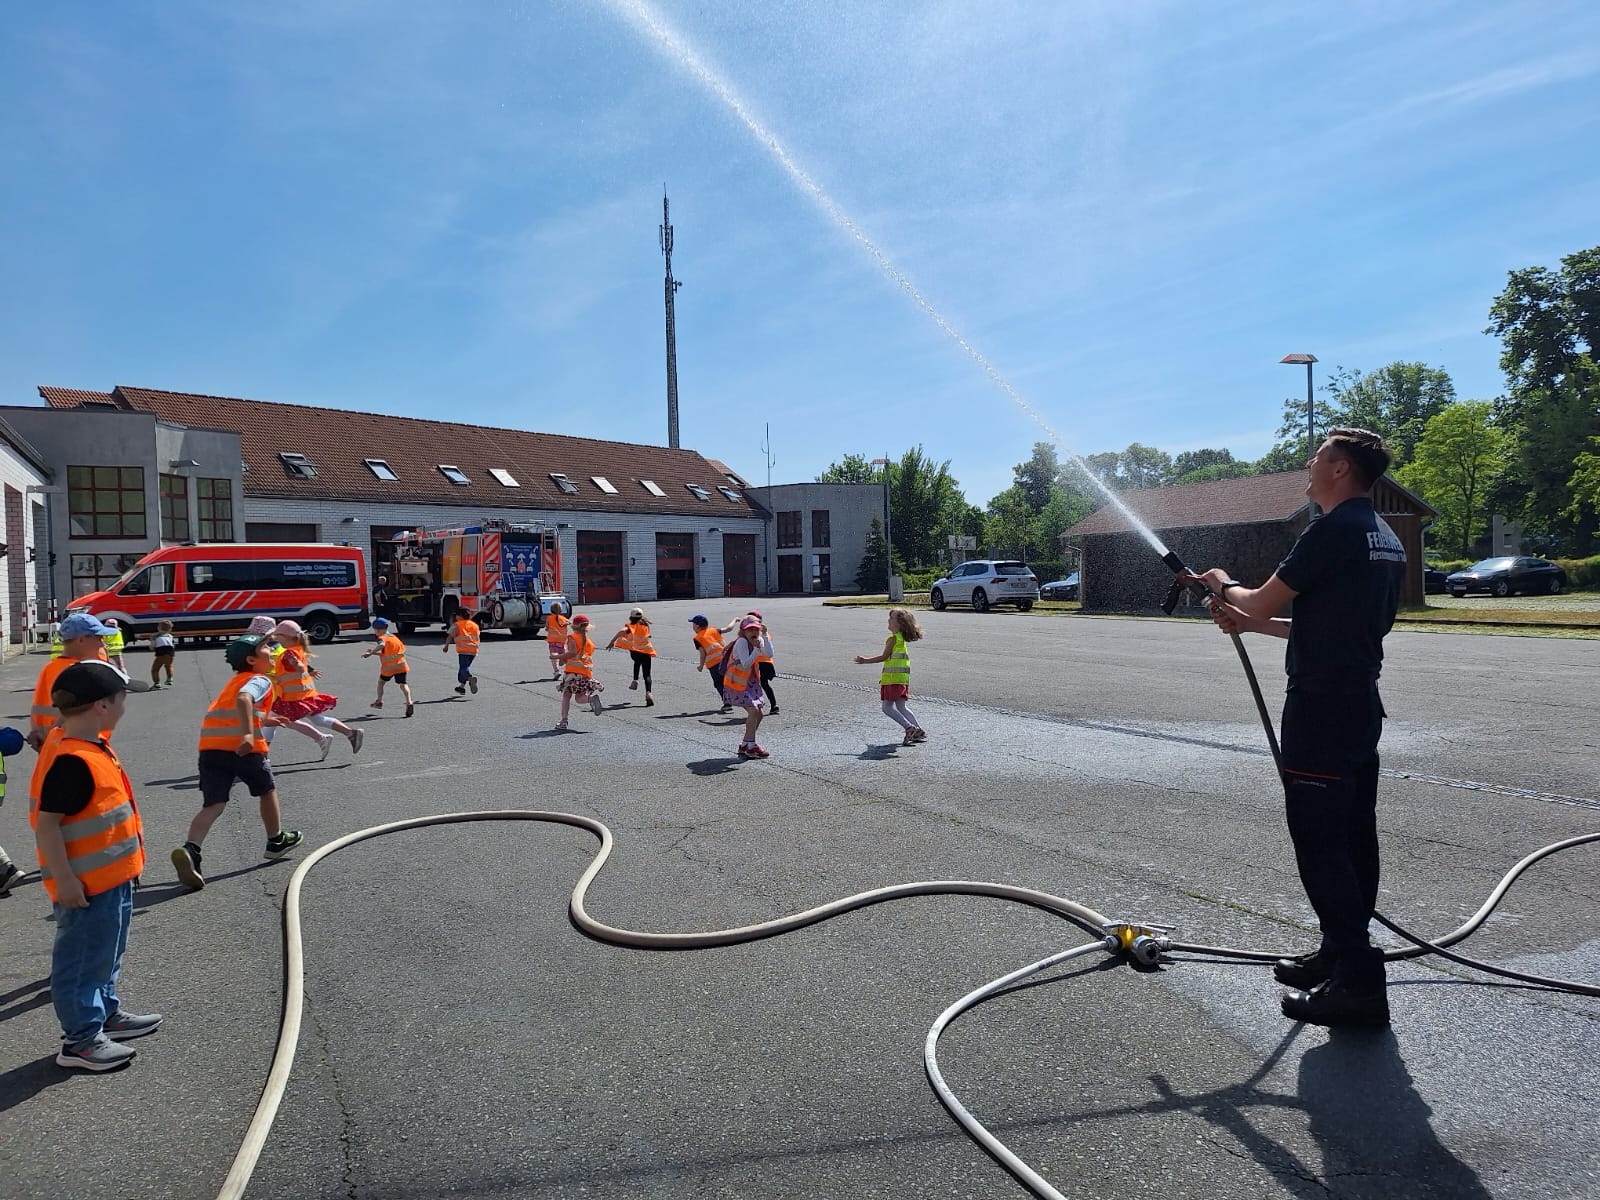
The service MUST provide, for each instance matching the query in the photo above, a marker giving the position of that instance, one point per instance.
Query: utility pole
(672, 285)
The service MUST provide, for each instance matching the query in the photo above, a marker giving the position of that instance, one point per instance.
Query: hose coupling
(1143, 943)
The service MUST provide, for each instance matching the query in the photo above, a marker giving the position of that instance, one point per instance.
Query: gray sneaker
(357, 736)
(283, 841)
(99, 1053)
(10, 876)
(595, 706)
(121, 1026)
(472, 682)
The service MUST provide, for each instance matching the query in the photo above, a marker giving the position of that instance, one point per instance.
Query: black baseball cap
(85, 682)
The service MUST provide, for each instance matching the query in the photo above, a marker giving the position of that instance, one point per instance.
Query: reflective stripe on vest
(897, 667)
(45, 713)
(222, 729)
(466, 637)
(584, 663)
(636, 636)
(113, 642)
(105, 845)
(294, 683)
(392, 660)
(710, 641)
(2, 777)
(736, 676)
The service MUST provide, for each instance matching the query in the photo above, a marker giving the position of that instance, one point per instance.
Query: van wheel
(321, 628)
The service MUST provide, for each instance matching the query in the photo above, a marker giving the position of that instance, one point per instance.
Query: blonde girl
(294, 684)
(894, 684)
(555, 635)
(634, 637)
(577, 666)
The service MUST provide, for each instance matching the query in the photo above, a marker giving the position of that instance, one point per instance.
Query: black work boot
(1335, 1002)
(1304, 971)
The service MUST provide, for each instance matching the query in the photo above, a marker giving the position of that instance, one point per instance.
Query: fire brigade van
(505, 574)
(214, 589)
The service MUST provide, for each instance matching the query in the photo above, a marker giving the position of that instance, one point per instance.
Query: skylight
(381, 469)
(736, 481)
(699, 492)
(454, 474)
(503, 477)
(733, 496)
(562, 482)
(297, 466)
(649, 485)
(604, 484)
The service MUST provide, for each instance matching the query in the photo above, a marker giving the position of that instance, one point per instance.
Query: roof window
(381, 469)
(736, 481)
(699, 492)
(297, 466)
(562, 482)
(454, 474)
(503, 477)
(604, 484)
(733, 496)
(649, 485)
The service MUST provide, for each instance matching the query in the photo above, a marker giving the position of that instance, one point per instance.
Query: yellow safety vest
(897, 667)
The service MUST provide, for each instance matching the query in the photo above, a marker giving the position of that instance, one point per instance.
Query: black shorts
(400, 678)
(219, 769)
(160, 654)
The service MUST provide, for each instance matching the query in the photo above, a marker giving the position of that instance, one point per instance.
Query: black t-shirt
(1347, 569)
(68, 786)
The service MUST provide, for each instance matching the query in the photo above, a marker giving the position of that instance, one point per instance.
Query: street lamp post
(1311, 429)
(888, 537)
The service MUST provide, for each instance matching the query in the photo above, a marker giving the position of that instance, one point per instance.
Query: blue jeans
(86, 960)
(464, 667)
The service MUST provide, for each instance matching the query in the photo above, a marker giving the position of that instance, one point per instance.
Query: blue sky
(1130, 211)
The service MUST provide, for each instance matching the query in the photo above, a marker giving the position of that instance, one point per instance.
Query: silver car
(985, 582)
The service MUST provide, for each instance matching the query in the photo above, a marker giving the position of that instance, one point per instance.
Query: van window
(152, 581)
(270, 574)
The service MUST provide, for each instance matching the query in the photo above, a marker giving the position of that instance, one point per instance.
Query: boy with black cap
(91, 850)
(233, 748)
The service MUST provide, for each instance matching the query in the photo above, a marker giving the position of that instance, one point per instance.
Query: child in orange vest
(232, 748)
(741, 681)
(635, 638)
(708, 644)
(577, 665)
(555, 635)
(463, 634)
(391, 663)
(297, 696)
(91, 847)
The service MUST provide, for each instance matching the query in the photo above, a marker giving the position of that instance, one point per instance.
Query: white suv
(984, 582)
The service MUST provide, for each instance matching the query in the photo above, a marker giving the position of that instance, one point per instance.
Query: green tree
(855, 468)
(1224, 470)
(1458, 460)
(1290, 451)
(1037, 477)
(1008, 530)
(923, 496)
(1394, 402)
(873, 573)
(1138, 466)
(1548, 323)
(1585, 484)
(1197, 460)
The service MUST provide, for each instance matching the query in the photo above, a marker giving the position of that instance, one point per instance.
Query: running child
(894, 683)
(764, 666)
(297, 696)
(463, 634)
(741, 682)
(577, 665)
(708, 644)
(634, 637)
(232, 748)
(165, 649)
(555, 635)
(114, 644)
(91, 850)
(391, 663)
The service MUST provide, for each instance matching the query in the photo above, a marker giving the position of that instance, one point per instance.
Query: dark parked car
(1433, 580)
(1507, 576)
(1061, 589)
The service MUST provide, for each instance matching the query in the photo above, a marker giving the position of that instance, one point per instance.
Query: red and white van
(214, 589)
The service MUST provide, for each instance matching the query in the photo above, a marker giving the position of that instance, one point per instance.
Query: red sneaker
(757, 752)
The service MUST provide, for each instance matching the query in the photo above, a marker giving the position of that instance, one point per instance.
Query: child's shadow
(160, 893)
(545, 733)
(713, 766)
(879, 753)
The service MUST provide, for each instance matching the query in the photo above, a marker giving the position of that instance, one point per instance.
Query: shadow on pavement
(21, 1084)
(714, 766)
(160, 893)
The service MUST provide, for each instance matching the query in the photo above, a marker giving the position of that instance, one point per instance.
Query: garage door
(599, 567)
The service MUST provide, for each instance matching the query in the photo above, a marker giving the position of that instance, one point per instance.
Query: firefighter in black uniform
(1343, 576)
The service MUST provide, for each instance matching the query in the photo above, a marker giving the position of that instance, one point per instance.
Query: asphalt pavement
(461, 1038)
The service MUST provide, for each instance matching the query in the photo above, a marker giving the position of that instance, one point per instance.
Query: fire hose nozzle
(1147, 950)
(1181, 583)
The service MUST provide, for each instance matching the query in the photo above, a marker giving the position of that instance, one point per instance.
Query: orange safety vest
(555, 628)
(222, 729)
(392, 659)
(105, 840)
(736, 676)
(636, 636)
(711, 642)
(293, 683)
(465, 636)
(45, 713)
(584, 663)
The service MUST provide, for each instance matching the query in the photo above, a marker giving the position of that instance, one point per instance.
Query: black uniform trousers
(1330, 775)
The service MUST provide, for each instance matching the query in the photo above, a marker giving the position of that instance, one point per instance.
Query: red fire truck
(505, 573)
